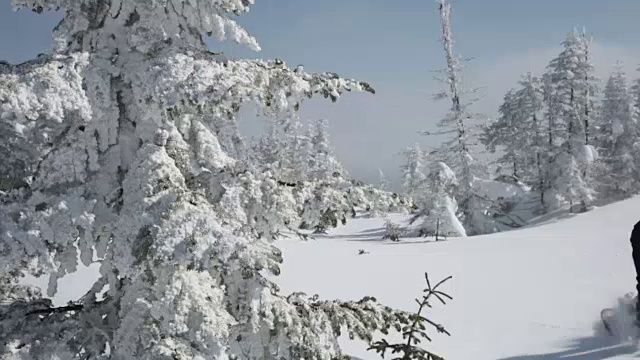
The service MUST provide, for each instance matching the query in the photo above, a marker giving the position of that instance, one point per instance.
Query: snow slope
(534, 293)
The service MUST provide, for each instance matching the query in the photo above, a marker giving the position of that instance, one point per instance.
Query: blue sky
(394, 45)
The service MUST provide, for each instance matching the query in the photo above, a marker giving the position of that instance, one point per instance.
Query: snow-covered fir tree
(571, 90)
(474, 209)
(285, 149)
(382, 180)
(312, 180)
(300, 150)
(121, 148)
(519, 133)
(500, 132)
(635, 96)
(439, 207)
(413, 172)
(568, 170)
(375, 204)
(392, 231)
(323, 162)
(269, 149)
(548, 131)
(616, 137)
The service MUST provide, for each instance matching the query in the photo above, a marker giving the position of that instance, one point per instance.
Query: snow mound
(496, 190)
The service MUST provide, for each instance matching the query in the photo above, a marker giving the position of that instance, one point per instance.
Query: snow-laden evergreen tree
(269, 149)
(616, 111)
(571, 90)
(300, 150)
(392, 231)
(310, 180)
(285, 149)
(635, 96)
(382, 180)
(120, 147)
(474, 209)
(519, 132)
(412, 172)
(500, 132)
(568, 171)
(439, 207)
(617, 133)
(323, 162)
(325, 204)
(379, 199)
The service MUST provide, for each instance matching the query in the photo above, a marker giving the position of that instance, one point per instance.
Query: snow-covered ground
(528, 294)
(534, 293)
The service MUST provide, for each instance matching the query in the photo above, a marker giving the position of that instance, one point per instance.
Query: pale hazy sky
(394, 45)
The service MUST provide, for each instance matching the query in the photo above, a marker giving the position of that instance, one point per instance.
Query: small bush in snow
(392, 231)
(439, 209)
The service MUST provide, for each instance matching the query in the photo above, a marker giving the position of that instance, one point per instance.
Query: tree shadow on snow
(592, 348)
(597, 347)
(550, 218)
(377, 236)
(363, 236)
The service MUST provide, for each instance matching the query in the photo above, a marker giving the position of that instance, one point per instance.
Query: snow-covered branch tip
(414, 331)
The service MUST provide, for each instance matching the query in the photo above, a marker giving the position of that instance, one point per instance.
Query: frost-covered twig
(415, 330)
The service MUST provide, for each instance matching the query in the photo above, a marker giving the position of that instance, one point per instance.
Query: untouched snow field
(534, 293)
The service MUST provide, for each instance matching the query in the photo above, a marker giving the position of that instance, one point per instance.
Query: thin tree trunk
(587, 98)
(452, 77)
(540, 179)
